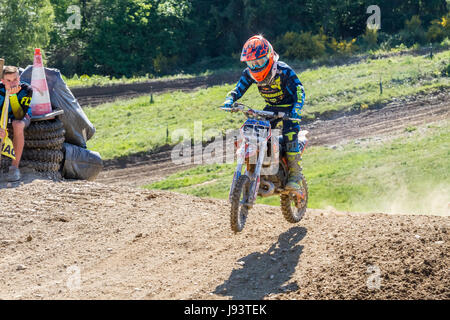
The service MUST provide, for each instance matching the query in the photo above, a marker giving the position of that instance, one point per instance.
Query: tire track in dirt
(391, 119)
(95, 95)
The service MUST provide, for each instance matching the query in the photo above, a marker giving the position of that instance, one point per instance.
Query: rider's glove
(297, 111)
(228, 103)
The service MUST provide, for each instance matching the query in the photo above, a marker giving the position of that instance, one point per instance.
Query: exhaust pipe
(266, 188)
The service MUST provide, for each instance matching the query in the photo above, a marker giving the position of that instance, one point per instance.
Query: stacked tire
(43, 147)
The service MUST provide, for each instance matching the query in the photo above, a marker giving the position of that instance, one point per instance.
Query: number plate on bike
(256, 129)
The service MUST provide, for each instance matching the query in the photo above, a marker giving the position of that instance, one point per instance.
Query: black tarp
(80, 163)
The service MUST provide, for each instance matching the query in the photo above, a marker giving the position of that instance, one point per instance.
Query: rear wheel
(239, 198)
(293, 204)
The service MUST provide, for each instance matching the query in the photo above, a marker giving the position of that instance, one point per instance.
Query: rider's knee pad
(292, 146)
(290, 138)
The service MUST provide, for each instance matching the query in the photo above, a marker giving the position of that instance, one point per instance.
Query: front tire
(239, 198)
(293, 207)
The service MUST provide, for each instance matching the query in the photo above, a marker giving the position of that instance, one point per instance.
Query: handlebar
(261, 113)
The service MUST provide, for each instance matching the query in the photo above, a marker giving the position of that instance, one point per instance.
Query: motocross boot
(295, 171)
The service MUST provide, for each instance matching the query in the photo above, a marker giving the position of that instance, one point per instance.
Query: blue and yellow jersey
(284, 90)
(19, 105)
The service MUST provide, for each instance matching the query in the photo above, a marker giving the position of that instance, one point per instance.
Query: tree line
(154, 37)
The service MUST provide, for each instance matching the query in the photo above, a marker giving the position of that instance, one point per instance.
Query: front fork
(254, 176)
(238, 171)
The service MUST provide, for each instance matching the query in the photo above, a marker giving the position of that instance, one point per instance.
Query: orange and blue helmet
(259, 56)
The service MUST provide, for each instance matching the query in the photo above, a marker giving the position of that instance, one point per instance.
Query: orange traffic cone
(40, 103)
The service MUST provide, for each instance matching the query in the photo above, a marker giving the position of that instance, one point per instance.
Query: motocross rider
(281, 89)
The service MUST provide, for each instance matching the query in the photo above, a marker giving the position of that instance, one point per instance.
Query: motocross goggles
(258, 63)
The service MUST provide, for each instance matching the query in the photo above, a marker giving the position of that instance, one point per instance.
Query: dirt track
(90, 241)
(94, 240)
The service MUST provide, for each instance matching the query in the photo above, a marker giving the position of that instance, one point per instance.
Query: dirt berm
(95, 241)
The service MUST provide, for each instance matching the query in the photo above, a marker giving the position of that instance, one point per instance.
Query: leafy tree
(68, 41)
(138, 37)
(24, 25)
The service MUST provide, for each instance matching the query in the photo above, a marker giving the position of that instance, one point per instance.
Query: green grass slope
(407, 174)
(130, 126)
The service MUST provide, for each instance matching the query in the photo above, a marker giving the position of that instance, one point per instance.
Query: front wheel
(239, 208)
(293, 204)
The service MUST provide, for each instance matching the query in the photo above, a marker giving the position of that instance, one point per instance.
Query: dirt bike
(266, 171)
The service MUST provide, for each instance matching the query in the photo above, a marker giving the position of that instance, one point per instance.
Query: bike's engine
(271, 184)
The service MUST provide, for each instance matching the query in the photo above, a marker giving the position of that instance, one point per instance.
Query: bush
(389, 41)
(342, 47)
(439, 29)
(446, 70)
(445, 42)
(370, 38)
(304, 45)
(163, 64)
(413, 31)
(435, 33)
(445, 23)
(301, 46)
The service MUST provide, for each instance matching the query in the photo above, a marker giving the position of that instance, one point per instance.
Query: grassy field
(127, 127)
(408, 174)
